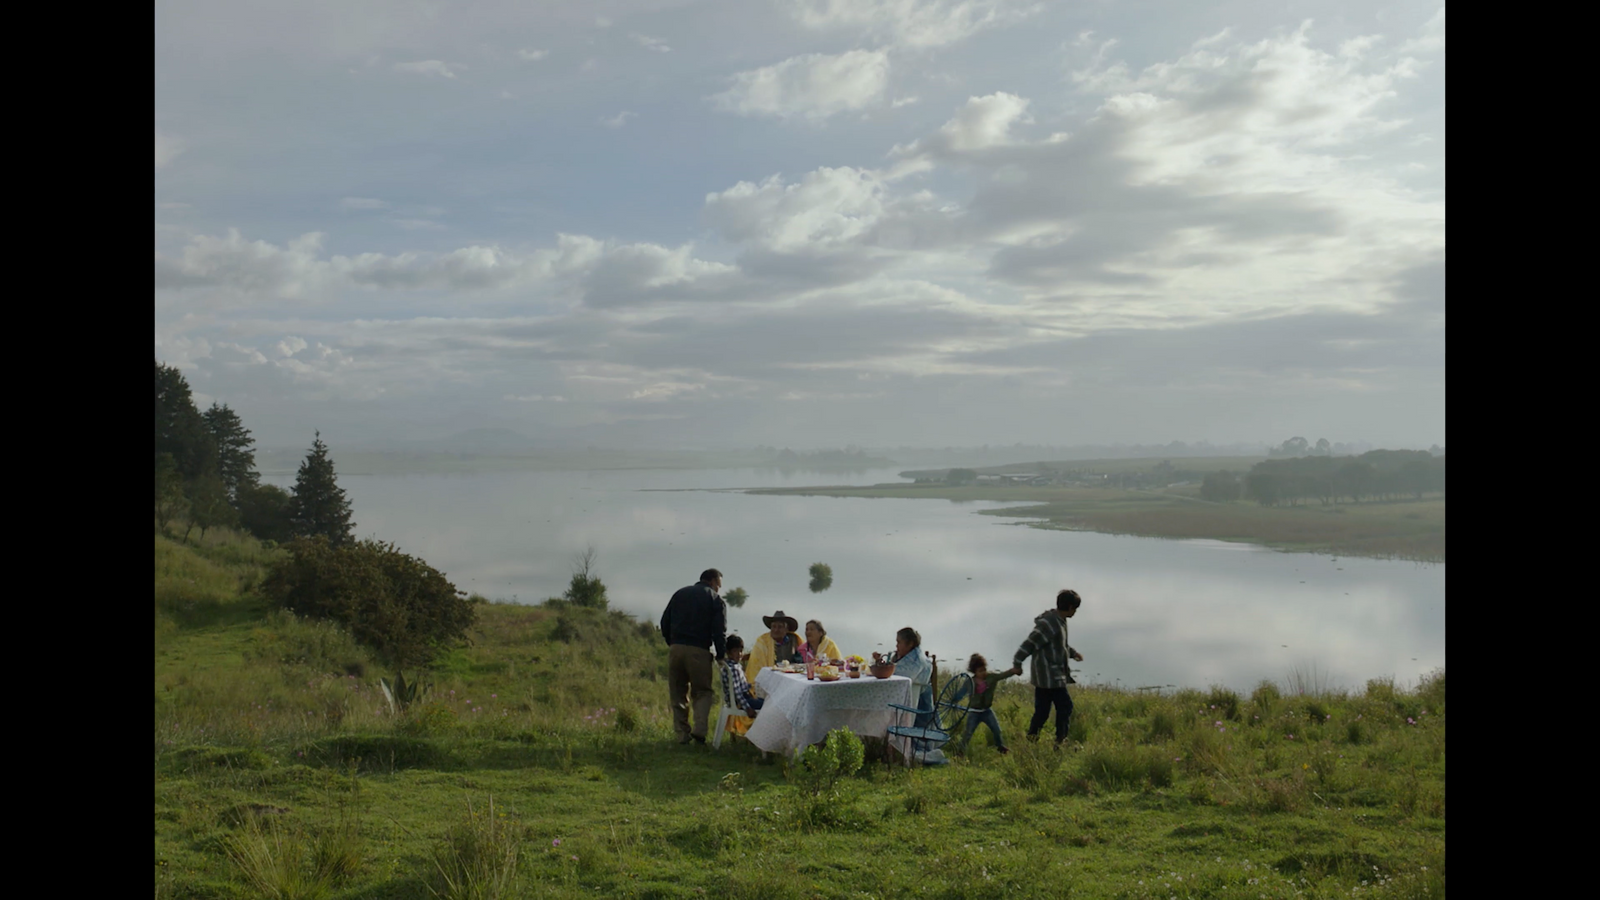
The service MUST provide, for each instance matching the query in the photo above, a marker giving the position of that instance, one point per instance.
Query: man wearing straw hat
(779, 644)
(695, 622)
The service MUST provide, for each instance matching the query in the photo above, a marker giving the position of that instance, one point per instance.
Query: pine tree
(320, 506)
(236, 456)
(180, 430)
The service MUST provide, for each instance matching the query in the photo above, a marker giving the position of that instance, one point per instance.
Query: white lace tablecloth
(799, 713)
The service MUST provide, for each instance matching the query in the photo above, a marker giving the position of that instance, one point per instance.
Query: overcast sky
(805, 222)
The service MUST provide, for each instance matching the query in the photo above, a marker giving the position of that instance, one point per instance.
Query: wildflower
(556, 842)
(574, 858)
(1410, 721)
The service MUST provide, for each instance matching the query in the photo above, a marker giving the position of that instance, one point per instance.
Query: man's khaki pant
(689, 681)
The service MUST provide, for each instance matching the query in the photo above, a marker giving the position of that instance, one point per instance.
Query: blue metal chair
(933, 726)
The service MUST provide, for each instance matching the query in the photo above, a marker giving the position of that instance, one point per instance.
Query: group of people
(695, 626)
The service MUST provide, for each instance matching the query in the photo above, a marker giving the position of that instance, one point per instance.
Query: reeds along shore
(541, 764)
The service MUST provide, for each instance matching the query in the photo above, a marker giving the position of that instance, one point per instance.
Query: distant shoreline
(1405, 529)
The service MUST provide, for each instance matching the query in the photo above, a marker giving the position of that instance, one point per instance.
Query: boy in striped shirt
(1048, 646)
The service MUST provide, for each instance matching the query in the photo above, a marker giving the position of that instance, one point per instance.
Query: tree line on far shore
(1374, 475)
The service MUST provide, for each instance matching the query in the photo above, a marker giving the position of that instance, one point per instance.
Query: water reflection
(1191, 613)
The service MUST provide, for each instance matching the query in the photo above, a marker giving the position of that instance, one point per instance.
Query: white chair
(729, 708)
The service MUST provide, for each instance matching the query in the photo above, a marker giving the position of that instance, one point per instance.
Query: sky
(805, 223)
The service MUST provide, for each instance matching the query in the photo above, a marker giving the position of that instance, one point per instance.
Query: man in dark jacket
(696, 621)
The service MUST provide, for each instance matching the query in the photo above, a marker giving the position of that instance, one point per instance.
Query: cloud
(362, 203)
(430, 67)
(912, 23)
(813, 86)
(982, 123)
(829, 206)
(1431, 40)
(168, 146)
(579, 268)
(618, 120)
(532, 55)
(651, 43)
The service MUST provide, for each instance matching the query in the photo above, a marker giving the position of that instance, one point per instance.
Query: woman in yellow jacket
(780, 644)
(818, 646)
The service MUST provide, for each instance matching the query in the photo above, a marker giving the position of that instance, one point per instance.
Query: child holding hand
(980, 710)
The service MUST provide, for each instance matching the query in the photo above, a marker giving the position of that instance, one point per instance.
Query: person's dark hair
(820, 630)
(910, 636)
(734, 642)
(977, 662)
(1068, 600)
(709, 574)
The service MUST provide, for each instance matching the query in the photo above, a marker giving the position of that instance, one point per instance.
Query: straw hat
(780, 617)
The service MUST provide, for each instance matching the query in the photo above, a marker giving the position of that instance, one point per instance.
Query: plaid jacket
(737, 686)
(1048, 646)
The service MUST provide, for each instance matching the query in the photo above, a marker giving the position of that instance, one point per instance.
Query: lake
(1155, 612)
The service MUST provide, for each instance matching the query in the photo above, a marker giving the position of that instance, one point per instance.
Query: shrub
(1265, 696)
(821, 577)
(396, 604)
(1225, 702)
(1162, 726)
(477, 858)
(281, 861)
(1128, 766)
(820, 768)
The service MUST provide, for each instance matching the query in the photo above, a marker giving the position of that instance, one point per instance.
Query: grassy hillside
(543, 757)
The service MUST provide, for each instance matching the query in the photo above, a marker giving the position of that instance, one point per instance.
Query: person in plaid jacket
(1048, 646)
(733, 675)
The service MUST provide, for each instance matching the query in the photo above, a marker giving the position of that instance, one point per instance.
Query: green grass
(277, 770)
(1403, 529)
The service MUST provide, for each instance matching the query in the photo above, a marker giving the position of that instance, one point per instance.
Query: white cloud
(430, 67)
(168, 146)
(291, 345)
(827, 206)
(619, 120)
(230, 269)
(534, 398)
(1431, 40)
(813, 86)
(362, 203)
(912, 23)
(983, 123)
(532, 55)
(651, 43)
(1245, 115)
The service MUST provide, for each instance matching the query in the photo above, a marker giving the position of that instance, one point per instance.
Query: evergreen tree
(236, 455)
(170, 500)
(320, 506)
(208, 504)
(180, 430)
(264, 511)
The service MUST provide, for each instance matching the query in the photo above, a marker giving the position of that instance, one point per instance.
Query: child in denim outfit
(980, 710)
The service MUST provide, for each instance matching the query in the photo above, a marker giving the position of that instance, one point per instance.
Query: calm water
(1155, 612)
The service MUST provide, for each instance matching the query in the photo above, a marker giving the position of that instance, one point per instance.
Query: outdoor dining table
(799, 713)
